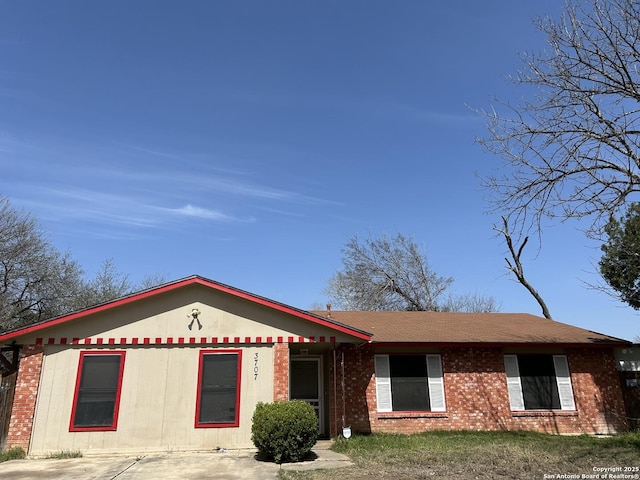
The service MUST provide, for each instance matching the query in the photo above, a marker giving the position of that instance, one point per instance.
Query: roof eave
(604, 344)
(194, 279)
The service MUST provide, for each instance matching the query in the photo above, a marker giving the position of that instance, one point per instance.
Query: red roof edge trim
(183, 283)
(287, 309)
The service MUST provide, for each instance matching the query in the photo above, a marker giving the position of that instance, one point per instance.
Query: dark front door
(306, 384)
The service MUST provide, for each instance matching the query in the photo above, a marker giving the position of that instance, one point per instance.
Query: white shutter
(514, 386)
(436, 383)
(383, 384)
(563, 378)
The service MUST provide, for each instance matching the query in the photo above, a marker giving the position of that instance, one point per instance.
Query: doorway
(305, 383)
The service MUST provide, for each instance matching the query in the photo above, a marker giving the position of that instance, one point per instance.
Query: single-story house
(182, 366)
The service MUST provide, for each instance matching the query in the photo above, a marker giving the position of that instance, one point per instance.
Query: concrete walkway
(229, 465)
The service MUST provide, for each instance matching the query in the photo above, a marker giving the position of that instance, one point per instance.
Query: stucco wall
(163, 319)
(477, 397)
(158, 401)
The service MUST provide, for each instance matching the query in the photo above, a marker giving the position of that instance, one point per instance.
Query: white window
(409, 383)
(539, 382)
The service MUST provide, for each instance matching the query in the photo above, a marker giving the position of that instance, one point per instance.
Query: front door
(306, 384)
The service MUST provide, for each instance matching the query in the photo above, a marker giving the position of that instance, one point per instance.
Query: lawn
(471, 455)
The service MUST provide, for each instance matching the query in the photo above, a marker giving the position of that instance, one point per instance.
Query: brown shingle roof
(454, 327)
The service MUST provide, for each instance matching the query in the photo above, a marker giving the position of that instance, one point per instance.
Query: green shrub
(284, 431)
(14, 453)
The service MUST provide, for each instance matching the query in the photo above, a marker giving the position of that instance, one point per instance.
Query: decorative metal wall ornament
(194, 318)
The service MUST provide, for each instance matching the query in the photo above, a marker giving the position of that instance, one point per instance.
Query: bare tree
(471, 302)
(393, 274)
(515, 265)
(36, 281)
(573, 150)
(108, 284)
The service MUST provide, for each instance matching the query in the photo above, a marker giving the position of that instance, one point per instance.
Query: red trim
(116, 409)
(195, 280)
(236, 422)
(174, 340)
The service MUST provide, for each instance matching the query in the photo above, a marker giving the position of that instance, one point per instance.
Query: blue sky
(247, 141)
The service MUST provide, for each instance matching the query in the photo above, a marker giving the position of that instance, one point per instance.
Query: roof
(182, 283)
(381, 326)
(467, 328)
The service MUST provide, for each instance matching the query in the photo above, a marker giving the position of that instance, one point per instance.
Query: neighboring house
(182, 366)
(628, 359)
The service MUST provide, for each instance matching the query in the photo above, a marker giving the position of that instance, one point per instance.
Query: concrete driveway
(231, 465)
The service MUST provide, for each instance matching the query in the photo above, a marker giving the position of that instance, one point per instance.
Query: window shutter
(514, 386)
(436, 383)
(563, 378)
(383, 384)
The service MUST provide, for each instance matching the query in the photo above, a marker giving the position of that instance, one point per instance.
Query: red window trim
(102, 428)
(235, 423)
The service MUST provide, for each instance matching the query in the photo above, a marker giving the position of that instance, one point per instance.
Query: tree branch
(517, 268)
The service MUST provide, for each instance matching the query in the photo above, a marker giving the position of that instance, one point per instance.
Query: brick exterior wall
(26, 394)
(280, 372)
(477, 397)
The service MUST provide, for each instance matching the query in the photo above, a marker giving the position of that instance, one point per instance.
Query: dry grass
(14, 453)
(471, 455)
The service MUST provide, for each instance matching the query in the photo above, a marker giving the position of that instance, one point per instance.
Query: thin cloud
(199, 212)
(106, 208)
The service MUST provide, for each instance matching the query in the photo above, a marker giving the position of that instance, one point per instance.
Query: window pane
(409, 384)
(96, 399)
(304, 379)
(218, 388)
(538, 379)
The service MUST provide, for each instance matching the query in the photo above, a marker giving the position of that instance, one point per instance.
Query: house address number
(255, 366)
